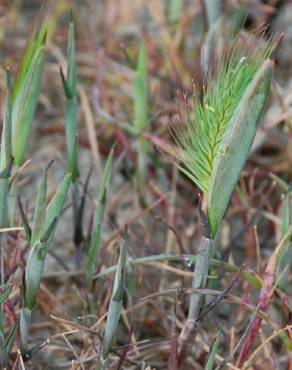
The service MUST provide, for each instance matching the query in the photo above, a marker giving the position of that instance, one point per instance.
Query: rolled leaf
(6, 153)
(212, 354)
(4, 189)
(95, 243)
(69, 85)
(71, 74)
(141, 89)
(56, 204)
(115, 307)
(6, 141)
(200, 275)
(33, 272)
(24, 324)
(43, 235)
(25, 94)
(35, 265)
(141, 113)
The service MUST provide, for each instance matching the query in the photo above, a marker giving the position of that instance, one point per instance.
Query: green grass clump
(63, 301)
(39, 237)
(216, 142)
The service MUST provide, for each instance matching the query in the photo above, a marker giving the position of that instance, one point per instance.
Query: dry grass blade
(264, 299)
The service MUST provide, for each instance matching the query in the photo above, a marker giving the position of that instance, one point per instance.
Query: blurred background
(181, 37)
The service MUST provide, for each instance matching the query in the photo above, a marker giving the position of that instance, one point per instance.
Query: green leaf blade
(69, 84)
(33, 274)
(71, 54)
(36, 41)
(56, 204)
(212, 354)
(284, 257)
(4, 190)
(6, 139)
(141, 89)
(71, 136)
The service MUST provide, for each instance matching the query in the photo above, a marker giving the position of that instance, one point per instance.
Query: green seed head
(207, 138)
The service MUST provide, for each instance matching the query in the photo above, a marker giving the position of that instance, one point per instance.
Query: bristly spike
(236, 143)
(206, 124)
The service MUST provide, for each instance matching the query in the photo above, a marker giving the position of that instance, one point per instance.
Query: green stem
(11, 201)
(77, 225)
(200, 276)
(25, 321)
(188, 258)
(142, 169)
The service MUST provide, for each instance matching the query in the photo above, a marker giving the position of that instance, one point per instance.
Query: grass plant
(39, 237)
(94, 247)
(141, 119)
(216, 142)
